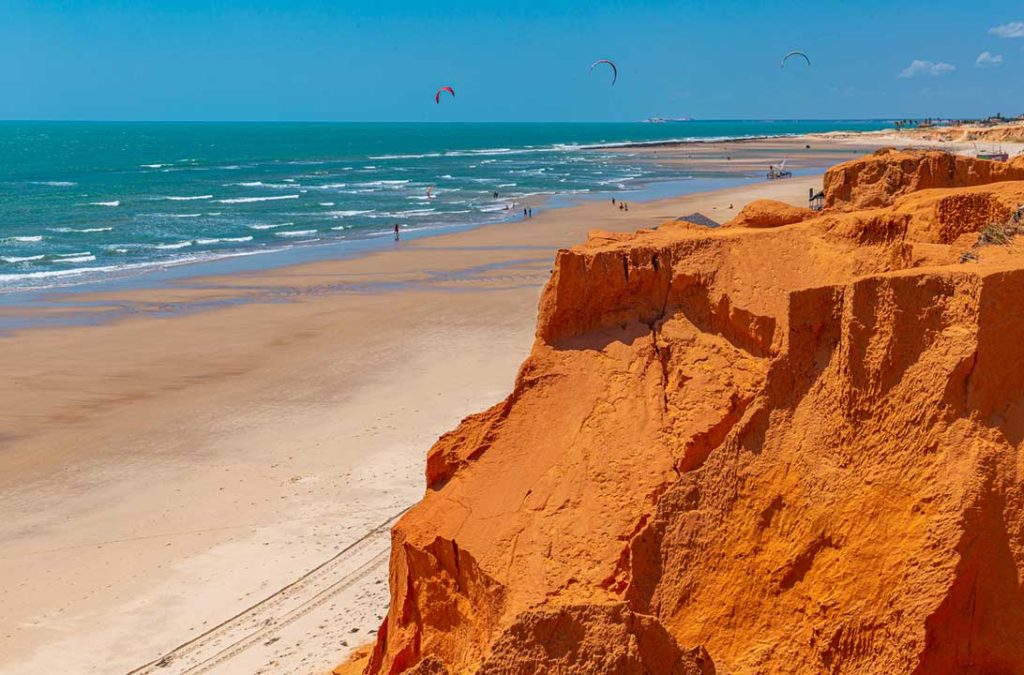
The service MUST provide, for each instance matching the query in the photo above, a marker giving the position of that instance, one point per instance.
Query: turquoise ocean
(84, 201)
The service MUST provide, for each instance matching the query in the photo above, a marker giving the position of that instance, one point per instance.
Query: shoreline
(262, 254)
(27, 308)
(159, 275)
(215, 440)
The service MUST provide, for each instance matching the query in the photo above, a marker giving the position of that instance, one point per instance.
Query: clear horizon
(355, 121)
(525, 61)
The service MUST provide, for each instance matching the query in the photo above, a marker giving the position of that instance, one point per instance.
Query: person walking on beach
(530, 210)
(613, 201)
(524, 213)
(396, 231)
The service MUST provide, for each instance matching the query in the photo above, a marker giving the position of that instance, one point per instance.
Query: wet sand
(165, 470)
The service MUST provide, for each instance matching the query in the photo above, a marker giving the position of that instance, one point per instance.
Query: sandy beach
(199, 447)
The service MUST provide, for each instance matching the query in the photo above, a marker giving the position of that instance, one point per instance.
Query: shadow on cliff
(591, 640)
(978, 626)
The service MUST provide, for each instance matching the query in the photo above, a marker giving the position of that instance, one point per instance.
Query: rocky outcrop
(743, 450)
(769, 213)
(881, 178)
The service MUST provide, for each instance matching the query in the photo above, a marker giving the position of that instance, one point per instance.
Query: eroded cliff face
(753, 449)
(880, 178)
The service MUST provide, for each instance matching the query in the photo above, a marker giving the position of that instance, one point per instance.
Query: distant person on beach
(627, 207)
(495, 194)
(621, 204)
(613, 201)
(524, 213)
(530, 210)
(396, 231)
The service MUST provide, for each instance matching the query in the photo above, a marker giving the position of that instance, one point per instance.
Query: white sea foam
(295, 233)
(345, 214)
(326, 204)
(218, 240)
(153, 166)
(410, 213)
(176, 245)
(258, 183)
(249, 200)
(21, 259)
(425, 155)
(264, 226)
(80, 230)
(188, 199)
(122, 268)
(384, 183)
(24, 239)
(76, 259)
(55, 183)
(115, 202)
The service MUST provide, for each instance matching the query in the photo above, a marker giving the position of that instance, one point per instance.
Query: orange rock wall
(785, 450)
(881, 178)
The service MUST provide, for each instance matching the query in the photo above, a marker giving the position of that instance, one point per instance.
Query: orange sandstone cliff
(752, 449)
(881, 178)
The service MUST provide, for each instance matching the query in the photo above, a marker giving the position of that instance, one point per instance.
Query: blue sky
(508, 60)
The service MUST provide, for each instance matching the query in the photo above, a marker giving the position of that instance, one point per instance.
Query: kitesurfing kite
(787, 56)
(437, 96)
(615, 70)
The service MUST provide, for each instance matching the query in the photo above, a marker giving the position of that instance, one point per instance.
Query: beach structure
(816, 200)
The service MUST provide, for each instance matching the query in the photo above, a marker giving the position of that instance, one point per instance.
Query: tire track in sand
(260, 624)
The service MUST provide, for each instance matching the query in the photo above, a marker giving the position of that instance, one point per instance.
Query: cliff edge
(769, 447)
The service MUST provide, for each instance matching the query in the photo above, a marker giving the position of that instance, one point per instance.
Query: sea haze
(80, 201)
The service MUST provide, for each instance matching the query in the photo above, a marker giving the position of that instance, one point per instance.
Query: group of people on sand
(623, 206)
